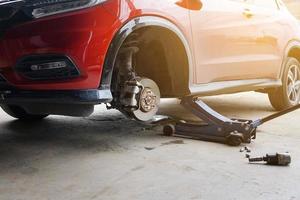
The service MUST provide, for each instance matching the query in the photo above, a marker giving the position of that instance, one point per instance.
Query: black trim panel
(9, 7)
(2, 79)
(11, 14)
(4, 84)
(91, 97)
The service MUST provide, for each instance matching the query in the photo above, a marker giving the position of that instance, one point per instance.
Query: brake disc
(148, 101)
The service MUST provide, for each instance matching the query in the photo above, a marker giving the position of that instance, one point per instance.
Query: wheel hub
(148, 100)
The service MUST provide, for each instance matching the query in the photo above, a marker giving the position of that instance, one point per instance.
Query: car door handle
(248, 13)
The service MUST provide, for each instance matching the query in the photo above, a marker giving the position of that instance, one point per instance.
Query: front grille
(9, 7)
(11, 14)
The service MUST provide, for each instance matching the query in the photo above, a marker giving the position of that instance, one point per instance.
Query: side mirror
(190, 4)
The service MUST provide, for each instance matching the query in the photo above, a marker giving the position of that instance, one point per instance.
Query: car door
(272, 39)
(225, 41)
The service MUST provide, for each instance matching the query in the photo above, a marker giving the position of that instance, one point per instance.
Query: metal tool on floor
(216, 127)
(279, 159)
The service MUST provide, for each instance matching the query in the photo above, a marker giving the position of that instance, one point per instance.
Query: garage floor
(109, 157)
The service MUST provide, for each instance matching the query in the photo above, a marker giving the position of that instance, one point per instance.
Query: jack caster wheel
(169, 130)
(234, 140)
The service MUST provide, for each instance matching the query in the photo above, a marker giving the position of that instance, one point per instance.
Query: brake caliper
(129, 97)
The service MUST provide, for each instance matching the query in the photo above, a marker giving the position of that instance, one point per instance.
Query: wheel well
(162, 57)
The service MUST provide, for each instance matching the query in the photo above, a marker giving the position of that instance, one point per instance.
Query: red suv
(63, 57)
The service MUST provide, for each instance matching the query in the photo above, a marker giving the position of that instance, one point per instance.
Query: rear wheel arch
(180, 72)
(292, 51)
(288, 94)
(295, 52)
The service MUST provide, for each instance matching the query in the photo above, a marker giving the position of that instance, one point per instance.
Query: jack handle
(261, 121)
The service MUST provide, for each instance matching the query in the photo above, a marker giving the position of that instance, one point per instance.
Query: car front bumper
(83, 36)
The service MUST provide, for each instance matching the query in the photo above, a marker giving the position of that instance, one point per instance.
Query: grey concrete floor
(106, 156)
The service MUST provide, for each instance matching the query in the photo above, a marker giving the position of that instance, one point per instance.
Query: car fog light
(49, 66)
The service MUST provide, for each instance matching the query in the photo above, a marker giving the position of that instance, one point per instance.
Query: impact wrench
(279, 159)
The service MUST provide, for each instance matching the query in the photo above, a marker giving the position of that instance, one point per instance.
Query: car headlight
(43, 8)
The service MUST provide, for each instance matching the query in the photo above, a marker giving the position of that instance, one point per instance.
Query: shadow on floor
(23, 142)
(26, 142)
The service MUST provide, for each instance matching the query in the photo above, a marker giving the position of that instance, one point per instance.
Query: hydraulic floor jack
(216, 127)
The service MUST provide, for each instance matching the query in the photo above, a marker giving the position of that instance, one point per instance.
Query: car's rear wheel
(19, 113)
(288, 94)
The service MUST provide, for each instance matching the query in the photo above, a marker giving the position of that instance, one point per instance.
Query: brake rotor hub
(147, 100)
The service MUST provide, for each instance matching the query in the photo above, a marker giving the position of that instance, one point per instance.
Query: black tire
(19, 113)
(282, 98)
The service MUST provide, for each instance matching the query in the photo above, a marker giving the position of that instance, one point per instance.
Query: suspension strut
(137, 97)
(128, 84)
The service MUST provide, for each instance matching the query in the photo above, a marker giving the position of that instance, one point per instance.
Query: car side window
(270, 4)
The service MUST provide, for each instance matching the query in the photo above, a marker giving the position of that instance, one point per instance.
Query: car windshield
(294, 7)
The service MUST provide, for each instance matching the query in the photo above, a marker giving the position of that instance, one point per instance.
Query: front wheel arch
(149, 23)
